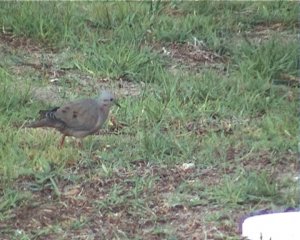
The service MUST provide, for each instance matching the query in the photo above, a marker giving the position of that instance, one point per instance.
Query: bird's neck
(104, 110)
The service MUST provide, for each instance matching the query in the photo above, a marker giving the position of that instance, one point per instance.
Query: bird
(78, 118)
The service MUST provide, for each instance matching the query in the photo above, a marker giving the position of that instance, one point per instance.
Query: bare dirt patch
(264, 31)
(23, 43)
(152, 218)
(194, 56)
(55, 73)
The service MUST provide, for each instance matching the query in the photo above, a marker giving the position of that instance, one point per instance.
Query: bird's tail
(45, 120)
(40, 123)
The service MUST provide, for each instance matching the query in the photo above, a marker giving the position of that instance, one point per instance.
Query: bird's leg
(62, 141)
(79, 143)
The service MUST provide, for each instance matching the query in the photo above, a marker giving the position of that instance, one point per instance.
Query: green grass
(224, 102)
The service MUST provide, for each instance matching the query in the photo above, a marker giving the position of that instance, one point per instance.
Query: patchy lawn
(207, 131)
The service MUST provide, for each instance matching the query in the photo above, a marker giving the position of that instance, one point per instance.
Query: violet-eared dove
(78, 118)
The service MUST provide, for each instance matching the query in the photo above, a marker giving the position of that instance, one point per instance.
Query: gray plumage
(79, 118)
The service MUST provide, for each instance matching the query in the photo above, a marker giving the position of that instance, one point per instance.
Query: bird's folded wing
(80, 115)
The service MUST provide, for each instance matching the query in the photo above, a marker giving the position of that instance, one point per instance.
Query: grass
(207, 131)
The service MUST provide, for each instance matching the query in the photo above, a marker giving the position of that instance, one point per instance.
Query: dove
(78, 118)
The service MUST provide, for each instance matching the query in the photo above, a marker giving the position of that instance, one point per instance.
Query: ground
(205, 136)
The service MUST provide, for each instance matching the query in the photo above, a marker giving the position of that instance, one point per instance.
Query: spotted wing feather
(81, 115)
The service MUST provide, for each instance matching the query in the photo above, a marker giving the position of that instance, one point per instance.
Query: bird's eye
(111, 99)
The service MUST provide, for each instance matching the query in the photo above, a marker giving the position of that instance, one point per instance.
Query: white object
(275, 226)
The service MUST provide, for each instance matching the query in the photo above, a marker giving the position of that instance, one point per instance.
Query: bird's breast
(101, 119)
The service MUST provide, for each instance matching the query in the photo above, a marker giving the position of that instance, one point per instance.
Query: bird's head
(107, 99)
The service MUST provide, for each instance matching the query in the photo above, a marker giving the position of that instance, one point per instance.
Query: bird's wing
(47, 119)
(79, 115)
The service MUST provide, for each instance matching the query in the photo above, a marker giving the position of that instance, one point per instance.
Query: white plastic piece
(275, 226)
